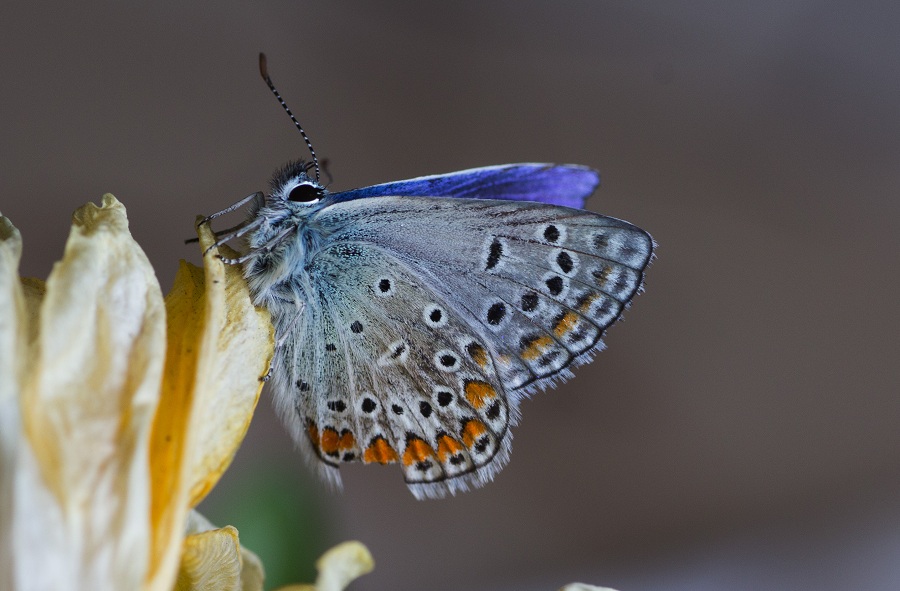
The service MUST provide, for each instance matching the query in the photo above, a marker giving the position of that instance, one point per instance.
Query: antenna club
(263, 68)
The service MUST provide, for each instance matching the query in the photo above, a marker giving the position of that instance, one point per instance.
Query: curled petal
(213, 559)
(252, 573)
(243, 338)
(339, 567)
(219, 347)
(210, 561)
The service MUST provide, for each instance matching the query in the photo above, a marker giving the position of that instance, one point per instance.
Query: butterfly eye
(305, 193)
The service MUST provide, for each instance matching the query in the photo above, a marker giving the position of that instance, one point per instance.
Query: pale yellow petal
(219, 347)
(342, 565)
(13, 345)
(339, 567)
(244, 342)
(89, 396)
(210, 561)
(251, 576)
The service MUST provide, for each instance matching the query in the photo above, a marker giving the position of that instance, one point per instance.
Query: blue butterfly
(413, 317)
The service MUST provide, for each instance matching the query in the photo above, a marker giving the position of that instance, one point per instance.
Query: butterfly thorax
(282, 244)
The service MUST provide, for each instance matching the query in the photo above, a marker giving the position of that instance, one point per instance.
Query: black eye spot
(425, 409)
(434, 316)
(496, 313)
(551, 233)
(337, 405)
(555, 285)
(448, 360)
(368, 405)
(565, 262)
(529, 302)
(398, 410)
(444, 397)
(305, 193)
(494, 411)
(356, 327)
(330, 347)
(384, 285)
(302, 386)
(496, 251)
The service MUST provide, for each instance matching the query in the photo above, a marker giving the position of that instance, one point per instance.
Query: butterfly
(413, 317)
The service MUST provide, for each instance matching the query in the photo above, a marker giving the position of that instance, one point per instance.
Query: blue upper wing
(567, 185)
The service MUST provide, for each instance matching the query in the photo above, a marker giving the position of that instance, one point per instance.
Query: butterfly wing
(568, 185)
(429, 319)
(366, 381)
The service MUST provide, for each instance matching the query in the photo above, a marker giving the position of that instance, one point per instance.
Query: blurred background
(741, 431)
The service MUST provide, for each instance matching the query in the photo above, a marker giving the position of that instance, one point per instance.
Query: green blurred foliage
(278, 515)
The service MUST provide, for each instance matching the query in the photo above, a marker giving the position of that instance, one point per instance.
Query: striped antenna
(264, 72)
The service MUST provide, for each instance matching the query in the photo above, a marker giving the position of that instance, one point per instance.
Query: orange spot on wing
(313, 433)
(330, 440)
(472, 430)
(447, 447)
(536, 347)
(416, 451)
(478, 354)
(477, 392)
(380, 451)
(347, 441)
(565, 324)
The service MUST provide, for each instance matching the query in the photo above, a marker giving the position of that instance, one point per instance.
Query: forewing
(568, 185)
(524, 289)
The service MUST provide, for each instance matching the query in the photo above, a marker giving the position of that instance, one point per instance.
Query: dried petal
(252, 575)
(339, 567)
(219, 347)
(210, 561)
(87, 400)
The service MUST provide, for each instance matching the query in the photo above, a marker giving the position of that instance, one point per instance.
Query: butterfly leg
(218, 233)
(267, 247)
(259, 196)
(235, 232)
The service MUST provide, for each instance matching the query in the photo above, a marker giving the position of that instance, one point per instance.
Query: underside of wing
(427, 321)
(539, 283)
(384, 372)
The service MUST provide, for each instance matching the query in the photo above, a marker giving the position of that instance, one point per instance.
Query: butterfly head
(292, 185)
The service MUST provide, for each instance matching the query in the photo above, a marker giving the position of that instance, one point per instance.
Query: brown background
(741, 432)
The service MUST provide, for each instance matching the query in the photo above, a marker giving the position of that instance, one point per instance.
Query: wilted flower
(119, 411)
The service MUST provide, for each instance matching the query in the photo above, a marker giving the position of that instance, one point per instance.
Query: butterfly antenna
(264, 72)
